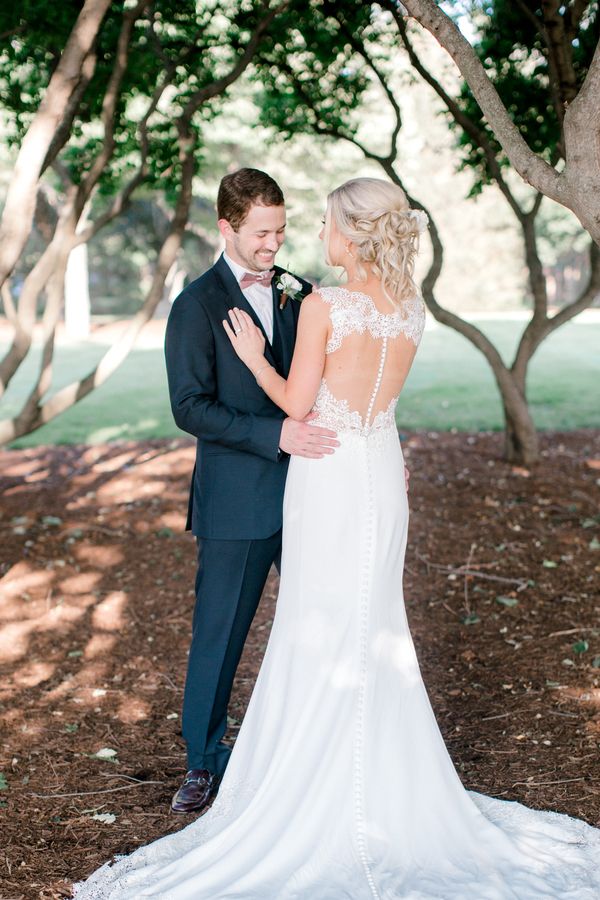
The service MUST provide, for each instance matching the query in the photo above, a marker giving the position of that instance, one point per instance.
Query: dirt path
(95, 608)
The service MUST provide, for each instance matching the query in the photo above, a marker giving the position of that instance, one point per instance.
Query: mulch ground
(96, 598)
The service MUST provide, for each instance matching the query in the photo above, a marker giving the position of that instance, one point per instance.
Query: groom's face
(255, 243)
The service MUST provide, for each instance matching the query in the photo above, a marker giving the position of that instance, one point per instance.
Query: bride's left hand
(246, 338)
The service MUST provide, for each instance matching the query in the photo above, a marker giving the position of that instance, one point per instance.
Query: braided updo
(375, 215)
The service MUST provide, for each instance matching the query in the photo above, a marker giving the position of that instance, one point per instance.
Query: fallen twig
(124, 787)
(570, 631)
(128, 777)
(461, 570)
(542, 783)
(466, 567)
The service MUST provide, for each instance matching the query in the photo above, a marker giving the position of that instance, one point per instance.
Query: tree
(139, 120)
(69, 79)
(529, 84)
(575, 96)
(316, 87)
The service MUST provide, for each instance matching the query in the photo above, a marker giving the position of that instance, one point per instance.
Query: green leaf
(71, 728)
(596, 662)
(165, 533)
(549, 564)
(580, 646)
(594, 544)
(470, 619)
(507, 601)
(3, 782)
(74, 653)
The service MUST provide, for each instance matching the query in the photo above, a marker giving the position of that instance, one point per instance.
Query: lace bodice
(355, 313)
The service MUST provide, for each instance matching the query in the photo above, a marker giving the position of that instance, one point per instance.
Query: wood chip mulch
(96, 576)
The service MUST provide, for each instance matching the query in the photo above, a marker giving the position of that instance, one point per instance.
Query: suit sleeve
(190, 358)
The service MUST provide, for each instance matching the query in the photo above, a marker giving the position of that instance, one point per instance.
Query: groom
(242, 454)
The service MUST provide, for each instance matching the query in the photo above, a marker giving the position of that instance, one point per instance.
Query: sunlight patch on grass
(451, 386)
(126, 431)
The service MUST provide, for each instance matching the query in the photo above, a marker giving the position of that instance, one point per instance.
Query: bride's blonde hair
(375, 215)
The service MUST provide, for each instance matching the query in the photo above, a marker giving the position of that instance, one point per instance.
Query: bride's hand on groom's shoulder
(246, 338)
(305, 439)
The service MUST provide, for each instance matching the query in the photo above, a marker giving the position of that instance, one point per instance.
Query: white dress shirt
(259, 296)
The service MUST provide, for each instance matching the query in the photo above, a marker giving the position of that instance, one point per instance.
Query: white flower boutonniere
(289, 287)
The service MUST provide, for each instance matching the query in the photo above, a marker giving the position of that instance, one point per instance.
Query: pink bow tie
(249, 278)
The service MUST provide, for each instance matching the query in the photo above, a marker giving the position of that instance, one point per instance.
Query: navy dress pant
(230, 579)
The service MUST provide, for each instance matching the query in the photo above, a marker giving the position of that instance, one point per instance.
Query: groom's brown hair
(242, 189)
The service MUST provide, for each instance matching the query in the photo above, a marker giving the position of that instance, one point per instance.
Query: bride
(340, 786)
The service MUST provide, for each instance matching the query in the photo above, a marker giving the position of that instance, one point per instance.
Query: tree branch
(34, 283)
(560, 52)
(554, 79)
(359, 48)
(221, 84)
(63, 132)
(10, 310)
(35, 413)
(532, 168)
(477, 135)
(573, 16)
(109, 105)
(540, 327)
(587, 297)
(18, 210)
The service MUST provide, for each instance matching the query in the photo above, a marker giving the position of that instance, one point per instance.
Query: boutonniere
(289, 287)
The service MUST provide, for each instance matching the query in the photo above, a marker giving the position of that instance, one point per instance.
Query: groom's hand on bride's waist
(305, 439)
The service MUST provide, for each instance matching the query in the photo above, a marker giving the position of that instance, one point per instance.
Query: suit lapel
(284, 326)
(236, 297)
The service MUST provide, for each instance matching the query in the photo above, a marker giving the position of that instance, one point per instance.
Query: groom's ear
(225, 228)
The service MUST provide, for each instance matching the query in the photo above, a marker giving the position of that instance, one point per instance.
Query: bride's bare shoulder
(324, 295)
(319, 297)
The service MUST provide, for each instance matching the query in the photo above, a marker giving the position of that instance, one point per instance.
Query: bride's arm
(297, 394)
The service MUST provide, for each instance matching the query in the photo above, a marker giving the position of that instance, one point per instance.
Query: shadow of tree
(96, 598)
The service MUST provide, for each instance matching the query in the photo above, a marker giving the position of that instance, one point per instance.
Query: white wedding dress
(340, 786)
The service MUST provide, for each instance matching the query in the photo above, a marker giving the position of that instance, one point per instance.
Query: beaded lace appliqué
(337, 415)
(350, 312)
(353, 311)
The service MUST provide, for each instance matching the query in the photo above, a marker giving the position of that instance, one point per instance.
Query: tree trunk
(34, 284)
(19, 208)
(35, 411)
(521, 442)
(77, 294)
(577, 186)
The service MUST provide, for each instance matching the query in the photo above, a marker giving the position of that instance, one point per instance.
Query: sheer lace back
(369, 355)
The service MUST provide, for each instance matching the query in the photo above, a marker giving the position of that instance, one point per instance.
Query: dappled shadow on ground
(95, 610)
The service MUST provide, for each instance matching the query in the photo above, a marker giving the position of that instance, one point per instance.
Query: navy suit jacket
(239, 477)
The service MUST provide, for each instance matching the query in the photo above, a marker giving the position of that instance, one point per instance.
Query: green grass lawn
(450, 386)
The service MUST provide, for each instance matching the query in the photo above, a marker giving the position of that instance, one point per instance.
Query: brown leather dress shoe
(198, 788)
